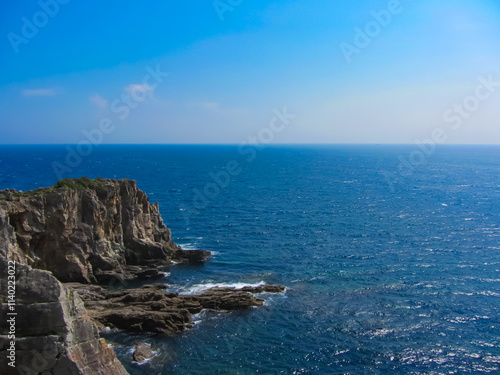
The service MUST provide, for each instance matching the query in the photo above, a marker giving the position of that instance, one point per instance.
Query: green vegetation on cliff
(78, 184)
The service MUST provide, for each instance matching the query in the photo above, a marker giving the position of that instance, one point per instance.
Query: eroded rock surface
(152, 309)
(142, 352)
(54, 334)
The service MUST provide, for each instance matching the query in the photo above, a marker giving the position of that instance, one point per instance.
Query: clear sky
(352, 71)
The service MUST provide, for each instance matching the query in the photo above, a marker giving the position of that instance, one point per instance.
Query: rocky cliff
(86, 230)
(68, 243)
(81, 231)
(52, 329)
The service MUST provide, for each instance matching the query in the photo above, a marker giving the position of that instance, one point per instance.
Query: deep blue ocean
(386, 272)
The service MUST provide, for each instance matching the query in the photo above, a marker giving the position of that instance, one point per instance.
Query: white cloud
(136, 89)
(38, 92)
(99, 101)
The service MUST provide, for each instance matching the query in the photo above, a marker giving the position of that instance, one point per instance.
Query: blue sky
(231, 63)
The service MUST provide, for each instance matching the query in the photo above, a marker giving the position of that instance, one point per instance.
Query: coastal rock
(219, 299)
(82, 231)
(191, 256)
(54, 334)
(142, 352)
(88, 231)
(150, 273)
(152, 309)
(94, 236)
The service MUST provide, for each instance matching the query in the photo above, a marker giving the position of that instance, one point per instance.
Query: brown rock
(54, 333)
(150, 273)
(151, 309)
(191, 256)
(142, 352)
(221, 299)
(89, 231)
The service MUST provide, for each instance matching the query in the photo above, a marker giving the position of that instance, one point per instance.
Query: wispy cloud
(99, 101)
(140, 90)
(38, 92)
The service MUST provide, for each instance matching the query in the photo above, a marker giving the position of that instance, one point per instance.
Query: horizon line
(248, 144)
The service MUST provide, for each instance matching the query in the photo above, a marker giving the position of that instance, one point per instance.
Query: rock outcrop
(88, 231)
(53, 332)
(71, 243)
(152, 309)
(142, 352)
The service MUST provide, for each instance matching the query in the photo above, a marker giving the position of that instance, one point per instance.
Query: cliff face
(54, 334)
(86, 229)
(80, 231)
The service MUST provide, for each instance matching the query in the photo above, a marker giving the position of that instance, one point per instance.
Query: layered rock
(86, 230)
(152, 309)
(53, 332)
(79, 230)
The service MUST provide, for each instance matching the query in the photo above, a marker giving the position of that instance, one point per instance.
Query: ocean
(390, 254)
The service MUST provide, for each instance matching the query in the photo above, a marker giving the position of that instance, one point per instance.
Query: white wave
(271, 298)
(382, 332)
(203, 315)
(200, 288)
(146, 360)
(131, 351)
(489, 293)
(197, 318)
(189, 246)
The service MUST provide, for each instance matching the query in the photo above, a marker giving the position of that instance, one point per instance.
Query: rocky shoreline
(152, 309)
(72, 245)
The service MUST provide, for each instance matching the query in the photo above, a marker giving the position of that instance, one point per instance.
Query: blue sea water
(385, 273)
